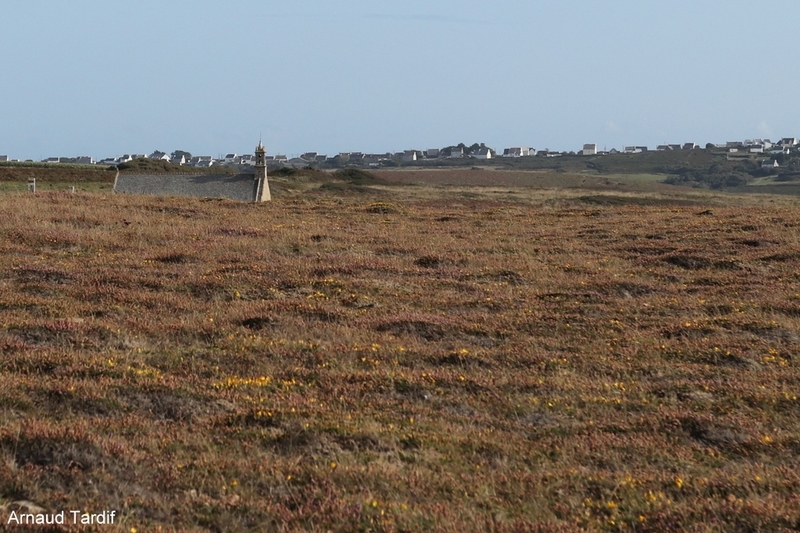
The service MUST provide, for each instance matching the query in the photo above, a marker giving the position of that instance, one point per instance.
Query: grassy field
(414, 358)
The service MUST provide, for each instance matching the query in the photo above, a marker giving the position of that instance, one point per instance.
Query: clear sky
(107, 77)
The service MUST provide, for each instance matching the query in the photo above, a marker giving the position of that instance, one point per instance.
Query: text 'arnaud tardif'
(62, 518)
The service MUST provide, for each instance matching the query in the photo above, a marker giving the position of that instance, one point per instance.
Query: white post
(32, 184)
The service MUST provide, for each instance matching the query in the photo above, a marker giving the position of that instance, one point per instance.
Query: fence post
(32, 184)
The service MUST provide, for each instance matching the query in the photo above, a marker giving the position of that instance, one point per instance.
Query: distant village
(389, 159)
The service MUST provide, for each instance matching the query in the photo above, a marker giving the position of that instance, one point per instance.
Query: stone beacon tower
(262, 185)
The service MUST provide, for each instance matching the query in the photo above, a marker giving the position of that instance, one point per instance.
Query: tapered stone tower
(262, 185)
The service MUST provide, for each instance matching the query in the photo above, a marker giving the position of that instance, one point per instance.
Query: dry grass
(372, 363)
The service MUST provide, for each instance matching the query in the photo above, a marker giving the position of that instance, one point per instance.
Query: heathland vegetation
(362, 356)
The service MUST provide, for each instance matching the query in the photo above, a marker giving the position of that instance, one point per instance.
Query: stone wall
(241, 187)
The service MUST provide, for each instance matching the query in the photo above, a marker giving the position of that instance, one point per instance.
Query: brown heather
(439, 361)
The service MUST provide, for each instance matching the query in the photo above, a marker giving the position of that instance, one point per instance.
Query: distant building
(84, 160)
(518, 151)
(432, 153)
(3, 159)
(767, 163)
(408, 156)
(201, 161)
(456, 153)
(548, 153)
(482, 153)
(689, 146)
(589, 149)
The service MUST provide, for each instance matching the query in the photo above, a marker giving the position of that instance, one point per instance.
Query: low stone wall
(241, 187)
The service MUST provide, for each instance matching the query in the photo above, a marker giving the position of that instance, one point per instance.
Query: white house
(84, 160)
(178, 160)
(519, 151)
(432, 153)
(767, 163)
(159, 155)
(482, 153)
(548, 153)
(589, 149)
(202, 161)
(456, 153)
(408, 156)
(231, 159)
(3, 159)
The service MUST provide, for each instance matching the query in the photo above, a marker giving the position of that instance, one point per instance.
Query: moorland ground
(412, 358)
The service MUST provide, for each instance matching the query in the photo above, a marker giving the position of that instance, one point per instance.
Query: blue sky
(105, 77)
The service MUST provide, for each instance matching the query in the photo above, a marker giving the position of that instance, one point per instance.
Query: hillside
(55, 173)
(157, 166)
(694, 168)
(699, 168)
